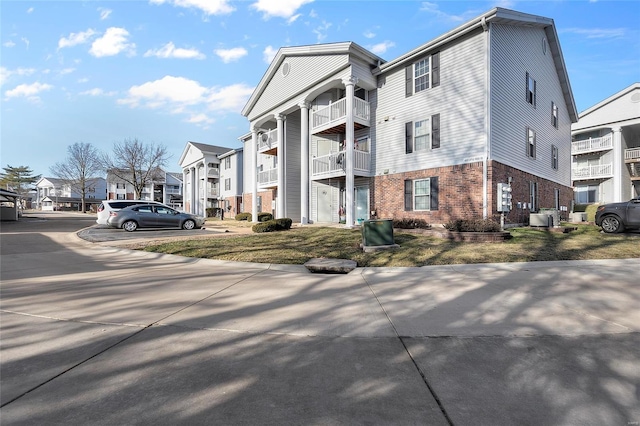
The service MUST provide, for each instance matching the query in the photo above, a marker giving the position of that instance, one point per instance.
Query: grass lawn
(298, 245)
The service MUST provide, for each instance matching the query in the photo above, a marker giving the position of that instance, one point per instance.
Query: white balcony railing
(268, 140)
(632, 154)
(337, 111)
(592, 145)
(592, 172)
(213, 172)
(268, 177)
(335, 164)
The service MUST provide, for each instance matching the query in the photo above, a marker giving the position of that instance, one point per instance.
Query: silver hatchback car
(153, 216)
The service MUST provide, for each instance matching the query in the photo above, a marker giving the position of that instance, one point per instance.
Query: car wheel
(130, 226)
(188, 224)
(611, 224)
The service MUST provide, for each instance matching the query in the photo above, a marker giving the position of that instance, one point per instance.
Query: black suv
(616, 217)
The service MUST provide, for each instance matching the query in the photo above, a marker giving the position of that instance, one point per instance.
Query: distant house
(339, 135)
(165, 187)
(212, 177)
(605, 150)
(57, 194)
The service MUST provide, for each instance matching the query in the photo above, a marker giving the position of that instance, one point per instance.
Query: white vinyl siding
(459, 99)
(292, 169)
(516, 50)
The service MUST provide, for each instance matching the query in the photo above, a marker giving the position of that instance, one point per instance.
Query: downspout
(487, 121)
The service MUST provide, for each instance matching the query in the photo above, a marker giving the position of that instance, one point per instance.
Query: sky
(171, 71)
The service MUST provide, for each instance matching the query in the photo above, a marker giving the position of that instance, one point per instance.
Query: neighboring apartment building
(166, 188)
(212, 177)
(56, 194)
(337, 134)
(606, 149)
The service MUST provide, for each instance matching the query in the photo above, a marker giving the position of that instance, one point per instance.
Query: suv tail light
(113, 214)
(101, 207)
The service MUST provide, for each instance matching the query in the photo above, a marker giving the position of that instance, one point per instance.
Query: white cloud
(96, 92)
(210, 7)
(230, 55)
(5, 73)
(179, 95)
(25, 41)
(369, 34)
(293, 19)
(169, 51)
(269, 53)
(230, 98)
(381, 48)
(434, 10)
(113, 42)
(104, 13)
(83, 80)
(66, 71)
(598, 33)
(30, 10)
(279, 8)
(321, 31)
(76, 38)
(8, 44)
(29, 91)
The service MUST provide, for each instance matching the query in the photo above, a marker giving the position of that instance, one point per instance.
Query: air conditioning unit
(540, 219)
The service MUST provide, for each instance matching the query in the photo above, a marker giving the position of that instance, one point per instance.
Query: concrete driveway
(95, 334)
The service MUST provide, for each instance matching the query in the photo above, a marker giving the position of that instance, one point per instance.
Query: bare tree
(80, 169)
(135, 163)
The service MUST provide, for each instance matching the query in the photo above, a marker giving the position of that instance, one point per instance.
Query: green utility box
(377, 232)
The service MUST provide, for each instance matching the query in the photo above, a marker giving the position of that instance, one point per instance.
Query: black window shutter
(408, 136)
(408, 76)
(435, 131)
(534, 93)
(526, 87)
(434, 193)
(435, 69)
(408, 195)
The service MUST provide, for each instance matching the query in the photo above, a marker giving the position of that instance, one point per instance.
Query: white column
(618, 164)
(304, 163)
(281, 195)
(350, 187)
(194, 195)
(254, 174)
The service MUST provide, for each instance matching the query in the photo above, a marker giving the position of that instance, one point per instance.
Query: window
(227, 163)
(586, 194)
(421, 194)
(531, 143)
(120, 197)
(422, 74)
(120, 186)
(533, 196)
(554, 157)
(554, 114)
(164, 210)
(556, 198)
(531, 90)
(422, 135)
(227, 184)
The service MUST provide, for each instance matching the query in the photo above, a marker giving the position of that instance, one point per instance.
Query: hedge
(410, 224)
(262, 216)
(273, 225)
(472, 225)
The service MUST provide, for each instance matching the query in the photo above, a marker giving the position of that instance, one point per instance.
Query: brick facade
(460, 193)
(268, 197)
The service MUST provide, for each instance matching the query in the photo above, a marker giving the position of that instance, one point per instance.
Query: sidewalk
(103, 335)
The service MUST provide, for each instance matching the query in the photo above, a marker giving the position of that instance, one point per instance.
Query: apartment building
(212, 177)
(57, 194)
(339, 135)
(605, 150)
(165, 187)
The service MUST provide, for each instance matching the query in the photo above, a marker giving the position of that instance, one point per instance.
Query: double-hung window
(531, 90)
(423, 134)
(554, 157)
(422, 74)
(531, 143)
(227, 184)
(421, 194)
(227, 163)
(554, 115)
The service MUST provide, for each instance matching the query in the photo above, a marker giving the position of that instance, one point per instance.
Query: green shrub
(272, 225)
(263, 217)
(243, 216)
(472, 225)
(580, 208)
(410, 224)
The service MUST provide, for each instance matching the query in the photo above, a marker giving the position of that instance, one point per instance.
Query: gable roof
(205, 148)
(347, 47)
(501, 16)
(610, 99)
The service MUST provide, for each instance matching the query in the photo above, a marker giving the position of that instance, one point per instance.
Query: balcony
(632, 158)
(601, 171)
(268, 142)
(592, 145)
(333, 165)
(213, 173)
(332, 118)
(268, 178)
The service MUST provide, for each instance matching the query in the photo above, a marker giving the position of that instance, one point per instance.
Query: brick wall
(267, 197)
